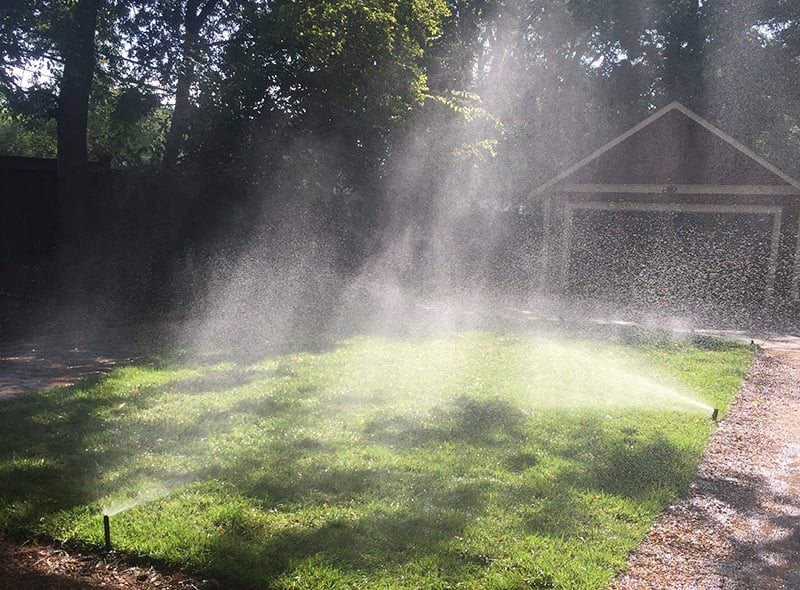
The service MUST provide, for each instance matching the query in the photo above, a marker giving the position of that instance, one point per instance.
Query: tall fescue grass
(475, 460)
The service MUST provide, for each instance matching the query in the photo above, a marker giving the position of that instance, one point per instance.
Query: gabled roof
(676, 146)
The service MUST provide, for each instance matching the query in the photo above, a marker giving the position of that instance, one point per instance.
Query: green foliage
(126, 126)
(22, 135)
(470, 113)
(366, 54)
(344, 73)
(480, 460)
(350, 78)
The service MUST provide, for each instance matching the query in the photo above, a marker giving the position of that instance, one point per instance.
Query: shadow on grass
(387, 538)
(51, 450)
(55, 445)
(466, 419)
(625, 465)
(70, 438)
(213, 381)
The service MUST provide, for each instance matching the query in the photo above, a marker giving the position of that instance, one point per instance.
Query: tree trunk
(193, 21)
(180, 115)
(73, 111)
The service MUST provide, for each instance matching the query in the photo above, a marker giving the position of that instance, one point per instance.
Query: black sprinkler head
(715, 414)
(107, 531)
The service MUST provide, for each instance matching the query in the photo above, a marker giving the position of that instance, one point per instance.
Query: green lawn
(477, 460)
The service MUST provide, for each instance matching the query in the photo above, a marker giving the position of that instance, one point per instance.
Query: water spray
(107, 531)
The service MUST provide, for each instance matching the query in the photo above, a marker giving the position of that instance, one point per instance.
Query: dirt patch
(35, 567)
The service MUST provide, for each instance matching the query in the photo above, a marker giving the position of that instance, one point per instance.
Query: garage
(673, 212)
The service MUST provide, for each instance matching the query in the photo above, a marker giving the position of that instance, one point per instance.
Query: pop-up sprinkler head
(107, 531)
(715, 414)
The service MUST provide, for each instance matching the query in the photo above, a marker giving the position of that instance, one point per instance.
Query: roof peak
(653, 117)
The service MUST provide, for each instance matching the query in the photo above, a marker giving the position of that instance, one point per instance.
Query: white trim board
(677, 207)
(796, 274)
(654, 117)
(775, 211)
(682, 189)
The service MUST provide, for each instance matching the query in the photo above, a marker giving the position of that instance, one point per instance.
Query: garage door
(706, 256)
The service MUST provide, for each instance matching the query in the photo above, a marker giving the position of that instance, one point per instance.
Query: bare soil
(45, 567)
(738, 527)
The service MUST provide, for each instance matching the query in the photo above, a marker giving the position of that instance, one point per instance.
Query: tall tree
(342, 74)
(196, 14)
(62, 36)
(78, 54)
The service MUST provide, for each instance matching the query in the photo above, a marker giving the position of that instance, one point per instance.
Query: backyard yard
(473, 460)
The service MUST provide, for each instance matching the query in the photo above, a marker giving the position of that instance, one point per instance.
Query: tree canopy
(329, 94)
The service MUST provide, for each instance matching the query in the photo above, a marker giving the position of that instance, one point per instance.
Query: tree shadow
(754, 562)
(387, 537)
(476, 421)
(219, 380)
(52, 447)
(633, 473)
(55, 444)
